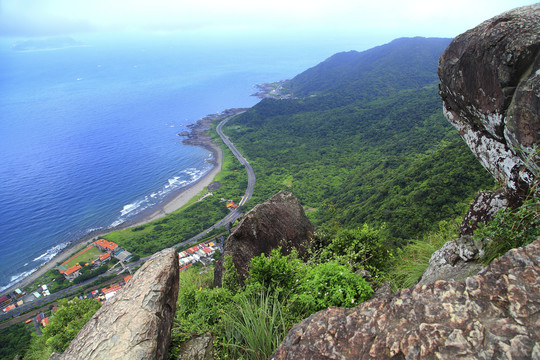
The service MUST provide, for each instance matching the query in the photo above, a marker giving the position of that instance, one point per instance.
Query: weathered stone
(384, 290)
(278, 222)
(198, 348)
(136, 323)
(456, 260)
(484, 207)
(493, 315)
(490, 86)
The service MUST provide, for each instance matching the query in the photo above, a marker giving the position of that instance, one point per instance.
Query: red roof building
(72, 272)
(193, 249)
(45, 322)
(105, 257)
(112, 288)
(105, 245)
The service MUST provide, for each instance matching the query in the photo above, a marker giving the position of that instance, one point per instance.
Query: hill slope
(373, 142)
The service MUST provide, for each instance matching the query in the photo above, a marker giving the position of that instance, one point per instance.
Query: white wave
(94, 229)
(116, 223)
(130, 207)
(174, 183)
(49, 254)
(16, 278)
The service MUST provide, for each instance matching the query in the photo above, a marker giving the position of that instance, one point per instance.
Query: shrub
(411, 262)
(254, 326)
(510, 229)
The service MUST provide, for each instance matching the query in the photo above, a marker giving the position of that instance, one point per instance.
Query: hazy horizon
(278, 19)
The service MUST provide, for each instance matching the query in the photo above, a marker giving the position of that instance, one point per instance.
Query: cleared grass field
(89, 254)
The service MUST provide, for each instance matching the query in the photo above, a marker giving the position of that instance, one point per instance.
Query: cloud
(423, 17)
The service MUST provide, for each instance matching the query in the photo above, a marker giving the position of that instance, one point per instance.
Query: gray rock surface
(493, 315)
(456, 260)
(279, 221)
(198, 348)
(136, 323)
(490, 86)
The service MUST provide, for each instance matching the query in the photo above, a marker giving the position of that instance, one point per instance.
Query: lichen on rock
(490, 86)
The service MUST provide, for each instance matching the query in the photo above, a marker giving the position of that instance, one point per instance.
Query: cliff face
(490, 86)
(136, 323)
(280, 221)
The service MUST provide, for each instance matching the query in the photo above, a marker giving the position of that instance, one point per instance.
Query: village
(99, 253)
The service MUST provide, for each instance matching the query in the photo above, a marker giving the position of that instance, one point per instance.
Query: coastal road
(229, 219)
(243, 161)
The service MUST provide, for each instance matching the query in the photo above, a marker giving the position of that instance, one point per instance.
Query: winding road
(229, 219)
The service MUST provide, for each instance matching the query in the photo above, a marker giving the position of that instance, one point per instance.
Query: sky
(391, 18)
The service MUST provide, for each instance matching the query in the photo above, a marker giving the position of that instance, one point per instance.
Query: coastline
(196, 137)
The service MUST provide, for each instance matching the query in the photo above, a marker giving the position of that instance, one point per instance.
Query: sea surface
(88, 134)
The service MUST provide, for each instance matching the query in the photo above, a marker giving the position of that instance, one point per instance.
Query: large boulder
(136, 323)
(490, 86)
(493, 315)
(278, 222)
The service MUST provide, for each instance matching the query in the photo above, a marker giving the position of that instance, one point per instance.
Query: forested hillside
(364, 141)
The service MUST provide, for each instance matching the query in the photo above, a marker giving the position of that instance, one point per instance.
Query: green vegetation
(64, 325)
(510, 229)
(254, 327)
(371, 147)
(91, 254)
(410, 262)
(15, 340)
(249, 320)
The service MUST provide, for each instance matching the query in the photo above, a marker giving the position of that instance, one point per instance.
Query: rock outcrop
(490, 86)
(493, 315)
(136, 323)
(280, 221)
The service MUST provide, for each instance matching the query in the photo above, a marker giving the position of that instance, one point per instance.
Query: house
(10, 307)
(192, 250)
(45, 322)
(105, 257)
(231, 205)
(73, 272)
(208, 251)
(4, 300)
(107, 246)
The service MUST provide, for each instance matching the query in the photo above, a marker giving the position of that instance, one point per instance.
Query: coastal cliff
(491, 90)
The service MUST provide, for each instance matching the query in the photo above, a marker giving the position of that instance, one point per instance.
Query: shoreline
(196, 137)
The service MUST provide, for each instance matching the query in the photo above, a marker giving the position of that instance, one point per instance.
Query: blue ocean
(88, 134)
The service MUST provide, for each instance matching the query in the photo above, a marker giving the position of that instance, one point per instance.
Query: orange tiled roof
(104, 256)
(113, 287)
(127, 278)
(106, 244)
(72, 269)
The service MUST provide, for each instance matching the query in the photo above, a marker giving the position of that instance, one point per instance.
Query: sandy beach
(173, 204)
